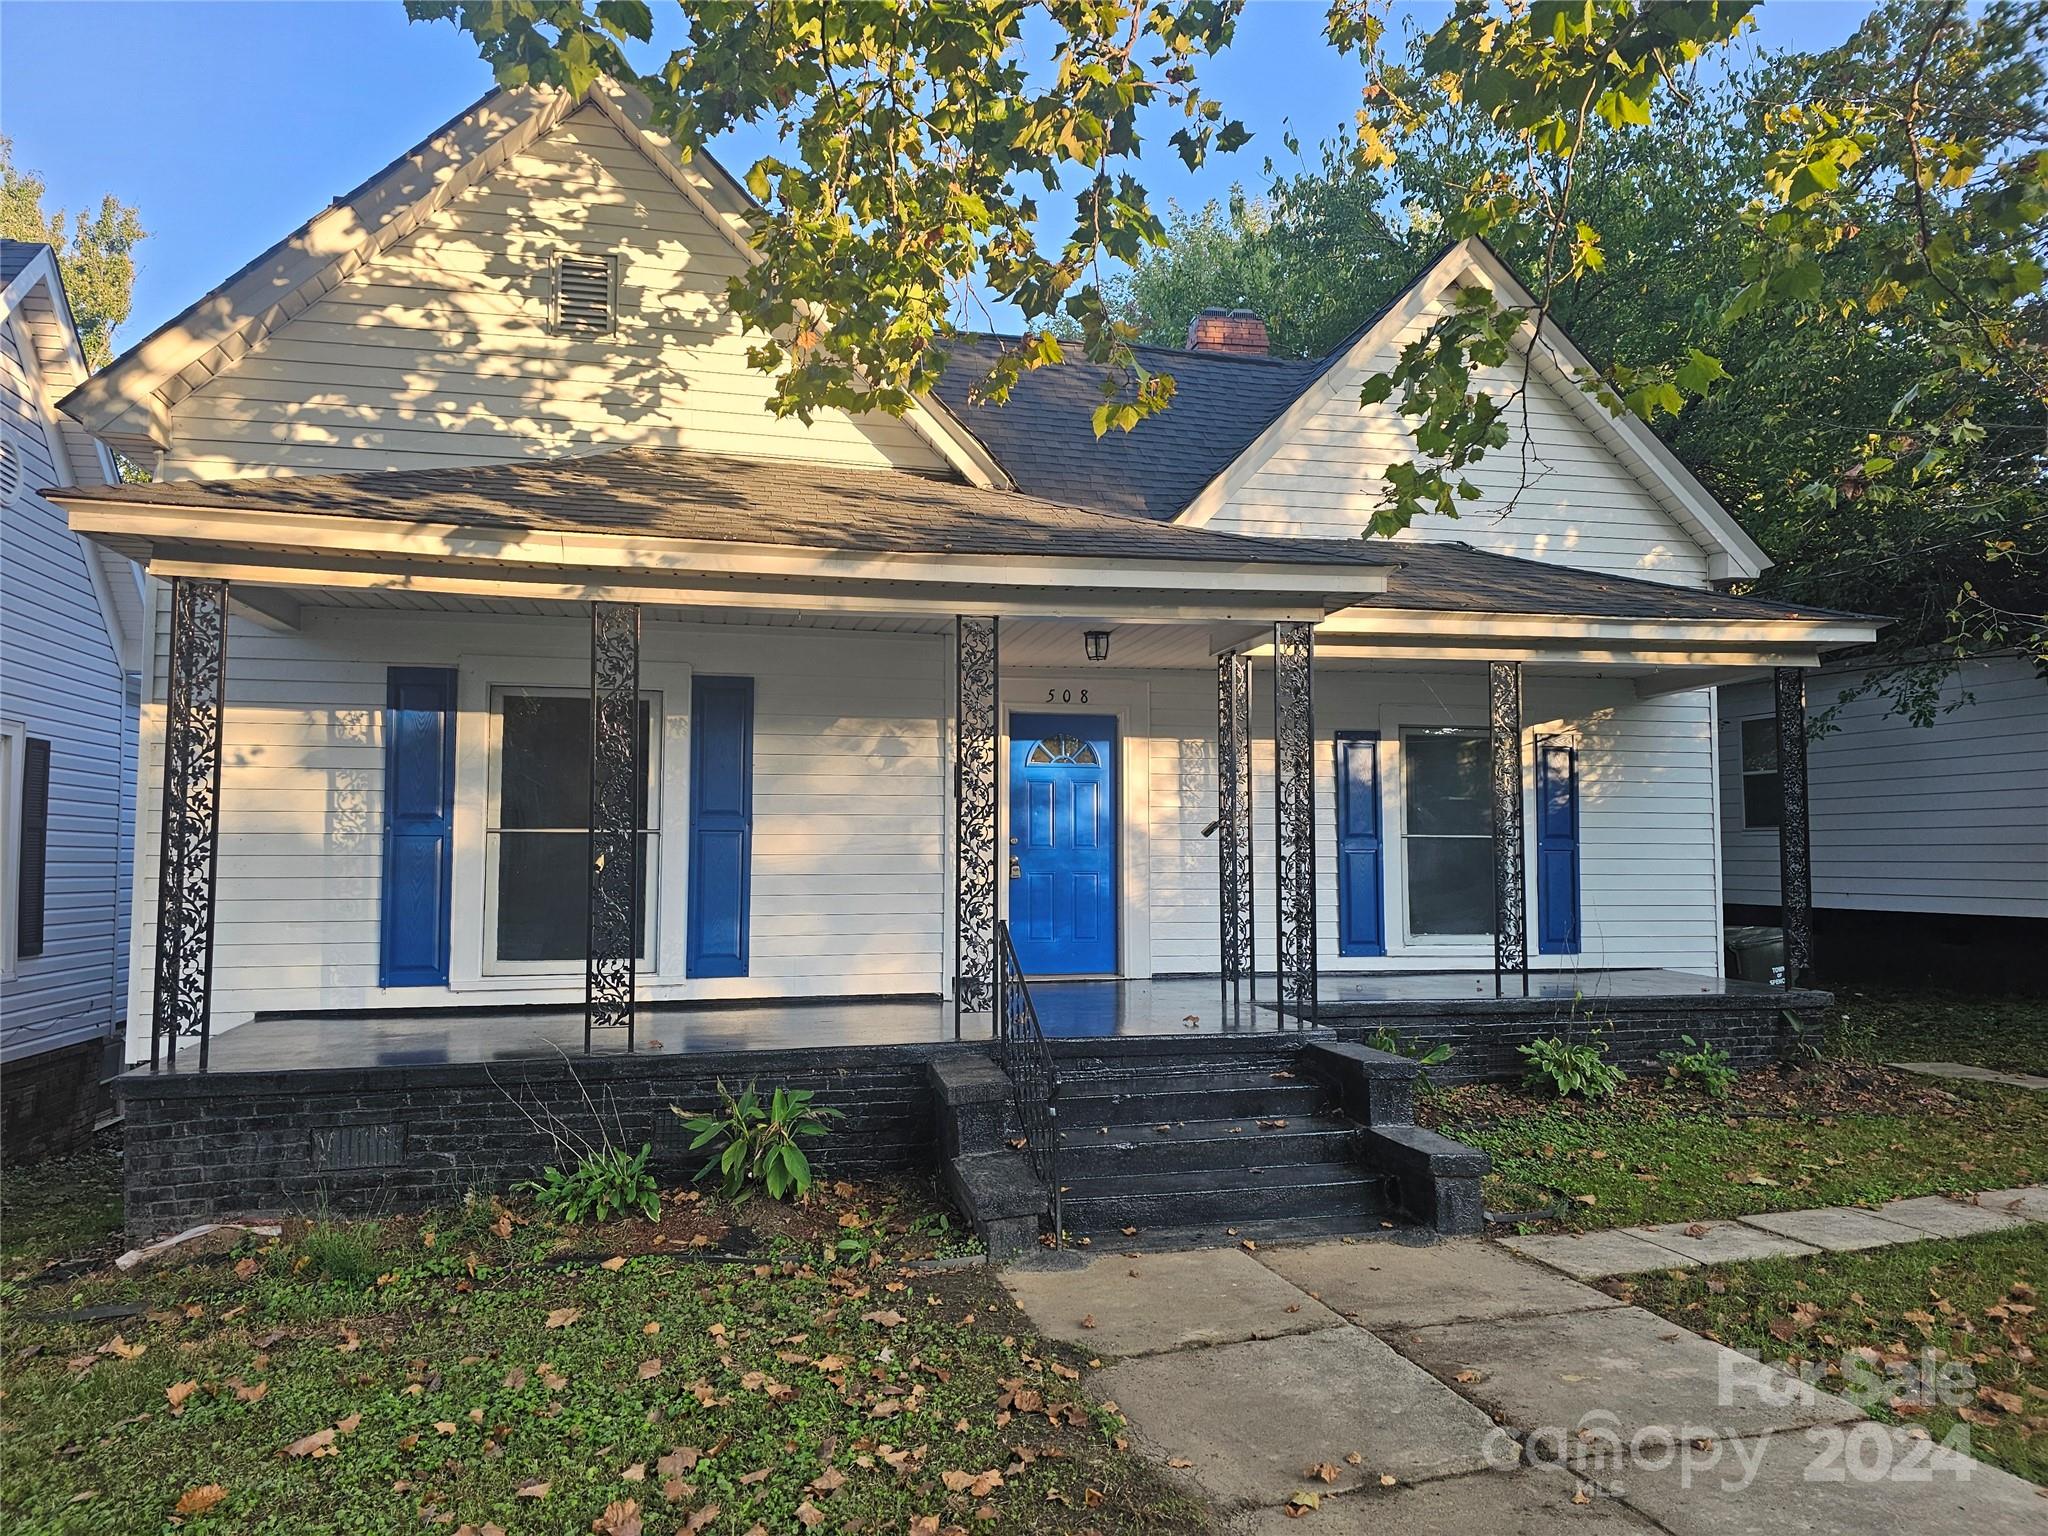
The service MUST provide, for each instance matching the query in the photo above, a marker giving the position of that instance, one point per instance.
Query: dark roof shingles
(1044, 438)
(16, 254)
(678, 493)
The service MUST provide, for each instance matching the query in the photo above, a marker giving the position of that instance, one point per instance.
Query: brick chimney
(1228, 330)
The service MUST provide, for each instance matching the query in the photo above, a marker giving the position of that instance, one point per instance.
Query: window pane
(544, 892)
(1759, 746)
(1450, 885)
(1763, 802)
(1446, 782)
(545, 770)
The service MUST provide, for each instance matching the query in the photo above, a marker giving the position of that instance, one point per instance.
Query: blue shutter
(419, 825)
(721, 823)
(1557, 849)
(1361, 907)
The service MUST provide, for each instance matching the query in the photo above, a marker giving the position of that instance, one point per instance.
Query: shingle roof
(1456, 578)
(676, 493)
(16, 254)
(1043, 437)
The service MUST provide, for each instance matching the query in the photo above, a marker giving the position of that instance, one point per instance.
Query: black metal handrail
(1027, 1062)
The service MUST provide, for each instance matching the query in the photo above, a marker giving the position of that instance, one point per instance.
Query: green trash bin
(1756, 953)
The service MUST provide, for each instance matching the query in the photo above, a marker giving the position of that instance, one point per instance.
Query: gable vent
(583, 295)
(10, 466)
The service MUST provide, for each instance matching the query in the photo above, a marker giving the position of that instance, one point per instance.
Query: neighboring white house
(1930, 843)
(71, 627)
(499, 383)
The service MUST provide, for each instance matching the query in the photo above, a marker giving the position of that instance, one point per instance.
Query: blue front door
(1062, 870)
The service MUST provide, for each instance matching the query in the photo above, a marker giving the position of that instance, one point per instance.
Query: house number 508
(1066, 695)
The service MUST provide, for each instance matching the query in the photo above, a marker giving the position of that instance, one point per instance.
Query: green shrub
(603, 1184)
(1420, 1052)
(342, 1251)
(1572, 1068)
(1702, 1065)
(758, 1141)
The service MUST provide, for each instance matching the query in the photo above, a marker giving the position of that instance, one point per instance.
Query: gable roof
(1731, 552)
(35, 307)
(1230, 410)
(128, 403)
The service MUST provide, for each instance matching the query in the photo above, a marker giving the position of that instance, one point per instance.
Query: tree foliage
(1842, 250)
(95, 252)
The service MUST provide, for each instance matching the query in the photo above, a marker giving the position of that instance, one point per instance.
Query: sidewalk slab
(1959, 1072)
(1596, 1255)
(1122, 1305)
(1875, 1482)
(1837, 1229)
(1939, 1216)
(1627, 1371)
(1253, 1418)
(1722, 1242)
(1530, 1501)
(1403, 1285)
(2028, 1200)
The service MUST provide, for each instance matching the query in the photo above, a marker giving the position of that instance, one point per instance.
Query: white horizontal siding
(1647, 821)
(1948, 818)
(850, 789)
(439, 352)
(1555, 492)
(59, 680)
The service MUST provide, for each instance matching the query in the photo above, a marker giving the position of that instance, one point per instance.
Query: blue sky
(229, 124)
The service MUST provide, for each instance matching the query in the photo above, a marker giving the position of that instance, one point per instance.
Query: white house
(1930, 843)
(448, 478)
(71, 632)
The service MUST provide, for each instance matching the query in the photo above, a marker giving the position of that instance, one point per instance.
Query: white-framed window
(537, 830)
(1763, 792)
(1447, 834)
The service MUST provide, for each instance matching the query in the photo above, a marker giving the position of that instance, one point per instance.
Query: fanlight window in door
(1064, 749)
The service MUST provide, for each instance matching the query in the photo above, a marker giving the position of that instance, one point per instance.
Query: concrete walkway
(1783, 1234)
(1957, 1071)
(1457, 1387)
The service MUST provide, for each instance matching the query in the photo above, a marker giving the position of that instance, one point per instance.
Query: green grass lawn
(354, 1379)
(1896, 1024)
(1830, 1134)
(1972, 1301)
(61, 1208)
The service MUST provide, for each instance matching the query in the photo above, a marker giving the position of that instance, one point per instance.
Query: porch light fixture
(1097, 641)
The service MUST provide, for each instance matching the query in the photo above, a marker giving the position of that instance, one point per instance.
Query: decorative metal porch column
(1234, 822)
(617, 772)
(974, 815)
(189, 853)
(1795, 858)
(1510, 887)
(1294, 822)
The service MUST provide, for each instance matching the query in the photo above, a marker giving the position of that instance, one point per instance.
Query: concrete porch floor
(1185, 1007)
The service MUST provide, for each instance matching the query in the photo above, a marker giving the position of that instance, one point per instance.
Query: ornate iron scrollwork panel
(974, 810)
(1795, 856)
(1294, 784)
(618, 771)
(1234, 818)
(1510, 901)
(189, 856)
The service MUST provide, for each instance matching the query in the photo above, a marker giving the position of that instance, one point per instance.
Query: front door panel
(1062, 871)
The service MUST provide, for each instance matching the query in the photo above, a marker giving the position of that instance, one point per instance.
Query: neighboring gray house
(1930, 843)
(71, 626)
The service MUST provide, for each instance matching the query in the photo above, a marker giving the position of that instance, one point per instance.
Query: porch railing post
(1294, 823)
(975, 779)
(618, 775)
(189, 851)
(1795, 854)
(1234, 823)
(1510, 885)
